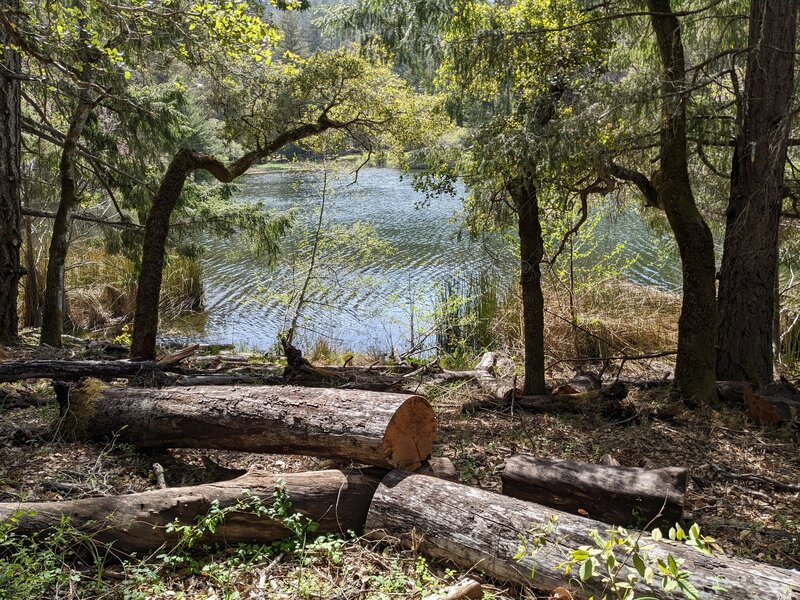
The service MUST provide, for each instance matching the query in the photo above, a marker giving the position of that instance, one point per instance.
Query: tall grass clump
(465, 310)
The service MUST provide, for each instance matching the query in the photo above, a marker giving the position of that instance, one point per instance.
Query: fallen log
(626, 496)
(337, 500)
(607, 401)
(774, 404)
(732, 392)
(389, 430)
(475, 528)
(499, 387)
(72, 370)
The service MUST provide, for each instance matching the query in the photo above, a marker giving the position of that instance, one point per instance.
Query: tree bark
(10, 182)
(337, 500)
(524, 194)
(695, 362)
(750, 254)
(389, 430)
(626, 496)
(186, 162)
(53, 306)
(476, 528)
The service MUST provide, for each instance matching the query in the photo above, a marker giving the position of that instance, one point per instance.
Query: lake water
(362, 297)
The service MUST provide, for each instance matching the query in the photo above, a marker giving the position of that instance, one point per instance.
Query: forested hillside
(399, 299)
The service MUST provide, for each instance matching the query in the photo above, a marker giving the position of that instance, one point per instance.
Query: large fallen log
(626, 496)
(476, 528)
(337, 500)
(71, 370)
(389, 430)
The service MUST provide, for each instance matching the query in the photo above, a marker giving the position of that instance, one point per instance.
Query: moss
(76, 405)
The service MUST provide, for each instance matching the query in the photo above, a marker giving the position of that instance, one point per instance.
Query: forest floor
(749, 516)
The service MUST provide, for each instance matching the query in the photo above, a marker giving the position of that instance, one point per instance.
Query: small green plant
(622, 562)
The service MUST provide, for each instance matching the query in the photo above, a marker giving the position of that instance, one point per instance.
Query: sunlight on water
(370, 302)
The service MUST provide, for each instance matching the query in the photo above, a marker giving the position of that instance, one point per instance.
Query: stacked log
(612, 494)
(337, 500)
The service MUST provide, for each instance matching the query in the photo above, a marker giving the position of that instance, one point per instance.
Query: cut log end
(410, 434)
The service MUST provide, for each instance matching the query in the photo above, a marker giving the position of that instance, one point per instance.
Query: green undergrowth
(64, 562)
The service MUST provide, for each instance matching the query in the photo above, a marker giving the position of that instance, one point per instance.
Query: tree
(10, 224)
(750, 254)
(338, 93)
(87, 51)
(670, 189)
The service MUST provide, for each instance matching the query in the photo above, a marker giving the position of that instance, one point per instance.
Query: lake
(377, 277)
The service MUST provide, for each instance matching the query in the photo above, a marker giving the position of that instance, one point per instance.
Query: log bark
(337, 500)
(389, 430)
(71, 370)
(626, 496)
(475, 528)
(607, 401)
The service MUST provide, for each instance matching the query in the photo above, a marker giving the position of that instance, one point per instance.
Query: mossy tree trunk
(53, 306)
(695, 363)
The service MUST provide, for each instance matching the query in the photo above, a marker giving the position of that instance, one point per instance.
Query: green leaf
(587, 569)
(638, 564)
(656, 534)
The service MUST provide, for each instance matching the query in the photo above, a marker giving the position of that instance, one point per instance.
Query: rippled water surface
(369, 300)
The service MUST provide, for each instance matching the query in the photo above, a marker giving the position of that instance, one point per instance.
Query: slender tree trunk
(694, 369)
(186, 162)
(33, 308)
(10, 225)
(148, 292)
(53, 307)
(531, 247)
(750, 256)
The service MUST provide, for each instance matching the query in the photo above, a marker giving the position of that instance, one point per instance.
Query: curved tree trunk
(186, 162)
(53, 307)
(695, 363)
(750, 256)
(531, 249)
(10, 227)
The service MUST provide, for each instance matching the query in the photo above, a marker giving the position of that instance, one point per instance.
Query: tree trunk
(390, 430)
(53, 307)
(475, 528)
(695, 362)
(10, 182)
(186, 162)
(337, 500)
(625, 496)
(33, 299)
(531, 249)
(750, 255)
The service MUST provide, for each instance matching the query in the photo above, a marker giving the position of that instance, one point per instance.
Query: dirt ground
(742, 484)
